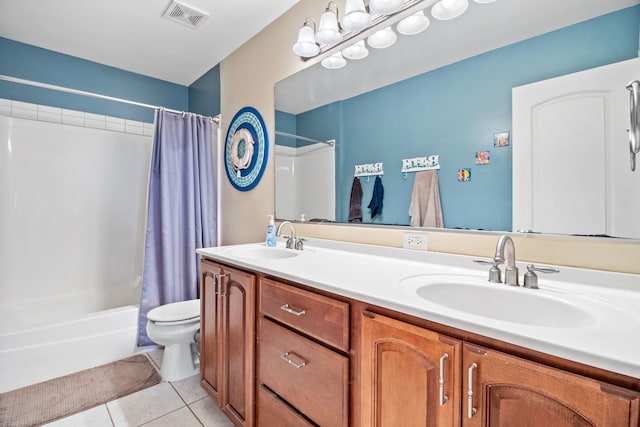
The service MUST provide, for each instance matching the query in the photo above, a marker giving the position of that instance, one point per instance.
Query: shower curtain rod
(331, 142)
(95, 95)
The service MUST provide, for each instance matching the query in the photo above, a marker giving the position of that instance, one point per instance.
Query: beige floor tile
(189, 389)
(209, 414)
(183, 417)
(145, 405)
(94, 417)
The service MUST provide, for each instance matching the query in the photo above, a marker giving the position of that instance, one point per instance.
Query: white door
(571, 162)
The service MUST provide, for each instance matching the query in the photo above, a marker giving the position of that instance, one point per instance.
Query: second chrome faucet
(506, 254)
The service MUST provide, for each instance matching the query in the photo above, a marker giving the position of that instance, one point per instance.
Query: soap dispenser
(271, 233)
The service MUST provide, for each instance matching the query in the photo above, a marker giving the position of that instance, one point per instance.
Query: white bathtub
(72, 223)
(51, 350)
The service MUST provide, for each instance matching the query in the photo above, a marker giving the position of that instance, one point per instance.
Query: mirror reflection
(446, 92)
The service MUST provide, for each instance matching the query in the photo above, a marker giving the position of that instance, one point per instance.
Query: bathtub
(72, 221)
(52, 350)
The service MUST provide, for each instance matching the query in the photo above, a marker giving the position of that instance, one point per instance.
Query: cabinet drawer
(274, 412)
(309, 376)
(315, 315)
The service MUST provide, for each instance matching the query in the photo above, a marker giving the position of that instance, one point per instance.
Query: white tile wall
(25, 110)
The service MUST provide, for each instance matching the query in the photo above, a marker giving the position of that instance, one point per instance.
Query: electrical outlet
(415, 240)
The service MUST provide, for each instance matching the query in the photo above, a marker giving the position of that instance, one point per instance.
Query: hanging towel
(376, 198)
(425, 208)
(355, 202)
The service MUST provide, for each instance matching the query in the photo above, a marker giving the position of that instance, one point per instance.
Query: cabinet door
(210, 317)
(409, 376)
(238, 330)
(507, 391)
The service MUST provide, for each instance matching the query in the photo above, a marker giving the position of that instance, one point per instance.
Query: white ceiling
(134, 36)
(483, 27)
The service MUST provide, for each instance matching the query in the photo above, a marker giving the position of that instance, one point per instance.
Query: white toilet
(176, 326)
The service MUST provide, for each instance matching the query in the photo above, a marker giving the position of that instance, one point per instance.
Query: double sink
(473, 294)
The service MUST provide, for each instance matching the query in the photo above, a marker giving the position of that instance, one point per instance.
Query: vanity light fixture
(385, 7)
(382, 39)
(306, 45)
(414, 24)
(328, 31)
(334, 61)
(445, 10)
(355, 16)
(356, 51)
(359, 22)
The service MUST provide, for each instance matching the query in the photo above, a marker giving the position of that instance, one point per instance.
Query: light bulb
(334, 61)
(382, 39)
(413, 24)
(355, 16)
(449, 9)
(385, 7)
(356, 51)
(306, 45)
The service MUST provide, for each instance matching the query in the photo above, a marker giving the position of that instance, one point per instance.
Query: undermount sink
(477, 296)
(255, 253)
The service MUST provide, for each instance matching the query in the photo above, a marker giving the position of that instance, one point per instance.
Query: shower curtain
(181, 211)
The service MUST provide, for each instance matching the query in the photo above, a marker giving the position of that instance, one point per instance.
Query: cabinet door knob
(291, 310)
(471, 411)
(443, 398)
(292, 362)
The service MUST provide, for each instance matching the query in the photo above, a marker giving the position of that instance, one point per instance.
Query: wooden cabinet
(505, 391)
(227, 335)
(300, 372)
(404, 377)
(409, 376)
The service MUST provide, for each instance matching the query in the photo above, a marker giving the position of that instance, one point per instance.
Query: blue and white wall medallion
(246, 149)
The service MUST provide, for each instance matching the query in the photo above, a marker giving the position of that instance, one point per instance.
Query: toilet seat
(177, 313)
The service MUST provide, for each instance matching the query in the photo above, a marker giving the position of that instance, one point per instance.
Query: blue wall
(33, 63)
(204, 93)
(286, 123)
(454, 111)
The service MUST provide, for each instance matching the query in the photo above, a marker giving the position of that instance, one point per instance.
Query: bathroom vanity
(354, 335)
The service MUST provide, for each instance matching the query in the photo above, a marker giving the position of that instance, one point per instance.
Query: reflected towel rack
(331, 142)
(369, 169)
(418, 164)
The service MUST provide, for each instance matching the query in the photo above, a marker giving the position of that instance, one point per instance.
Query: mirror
(446, 92)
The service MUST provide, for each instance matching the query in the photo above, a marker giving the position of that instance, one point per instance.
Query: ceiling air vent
(185, 14)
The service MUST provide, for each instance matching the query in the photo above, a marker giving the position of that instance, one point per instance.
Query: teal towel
(376, 198)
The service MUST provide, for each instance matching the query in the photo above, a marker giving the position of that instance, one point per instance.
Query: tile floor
(177, 403)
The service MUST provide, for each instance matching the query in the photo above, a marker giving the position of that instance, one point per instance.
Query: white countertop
(374, 274)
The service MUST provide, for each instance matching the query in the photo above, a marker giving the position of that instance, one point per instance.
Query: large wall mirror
(446, 91)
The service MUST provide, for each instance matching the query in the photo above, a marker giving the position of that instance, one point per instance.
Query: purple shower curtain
(181, 213)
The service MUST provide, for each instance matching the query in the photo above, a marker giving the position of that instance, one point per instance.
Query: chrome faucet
(506, 254)
(293, 242)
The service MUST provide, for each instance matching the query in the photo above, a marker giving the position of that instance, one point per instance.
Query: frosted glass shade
(382, 39)
(334, 62)
(356, 51)
(413, 24)
(328, 32)
(306, 45)
(449, 9)
(355, 16)
(484, 1)
(385, 7)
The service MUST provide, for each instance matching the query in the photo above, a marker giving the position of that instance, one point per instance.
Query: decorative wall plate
(246, 149)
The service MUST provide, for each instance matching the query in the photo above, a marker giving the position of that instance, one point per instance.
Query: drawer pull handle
(443, 397)
(292, 311)
(293, 363)
(471, 411)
